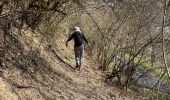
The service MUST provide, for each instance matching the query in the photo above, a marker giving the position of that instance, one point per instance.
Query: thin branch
(80, 5)
(163, 39)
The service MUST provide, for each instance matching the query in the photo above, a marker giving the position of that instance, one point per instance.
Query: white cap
(77, 28)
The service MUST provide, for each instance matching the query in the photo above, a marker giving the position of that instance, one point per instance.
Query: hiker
(79, 39)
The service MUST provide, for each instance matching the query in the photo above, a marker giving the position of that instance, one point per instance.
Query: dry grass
(39, 71)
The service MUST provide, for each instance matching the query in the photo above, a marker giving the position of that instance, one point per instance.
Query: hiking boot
(77, 66)
(80, 69)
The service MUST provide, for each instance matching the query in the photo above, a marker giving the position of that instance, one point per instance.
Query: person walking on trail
(79, 39)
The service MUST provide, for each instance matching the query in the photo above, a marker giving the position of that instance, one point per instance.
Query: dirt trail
(48, 74)
(85, 85)
(89, 83)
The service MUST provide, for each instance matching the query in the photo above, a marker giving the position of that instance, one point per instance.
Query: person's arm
(71, 37)
(85, 39)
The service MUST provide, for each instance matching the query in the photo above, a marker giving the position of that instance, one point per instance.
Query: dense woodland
(124, 35)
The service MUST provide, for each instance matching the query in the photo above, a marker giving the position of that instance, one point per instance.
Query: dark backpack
(79, 38)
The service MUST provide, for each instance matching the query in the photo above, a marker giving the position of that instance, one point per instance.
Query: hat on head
(77, 28)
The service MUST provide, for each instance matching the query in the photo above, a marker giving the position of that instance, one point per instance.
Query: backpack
(79, 38)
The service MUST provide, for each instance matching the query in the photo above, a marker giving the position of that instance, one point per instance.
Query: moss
(68, 57)
(112, 94)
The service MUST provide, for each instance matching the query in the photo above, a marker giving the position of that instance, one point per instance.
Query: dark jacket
(75, 37)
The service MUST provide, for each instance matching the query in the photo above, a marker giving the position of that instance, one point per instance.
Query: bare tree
(163, 36)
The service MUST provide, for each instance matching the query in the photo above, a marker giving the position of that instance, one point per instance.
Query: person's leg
(81, 56)
(76, 52)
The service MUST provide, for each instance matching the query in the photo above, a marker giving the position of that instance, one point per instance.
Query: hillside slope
(33, 69)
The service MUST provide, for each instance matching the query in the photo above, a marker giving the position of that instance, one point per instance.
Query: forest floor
(50, 74)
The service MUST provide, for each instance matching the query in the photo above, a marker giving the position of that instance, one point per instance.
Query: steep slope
(33, 69)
